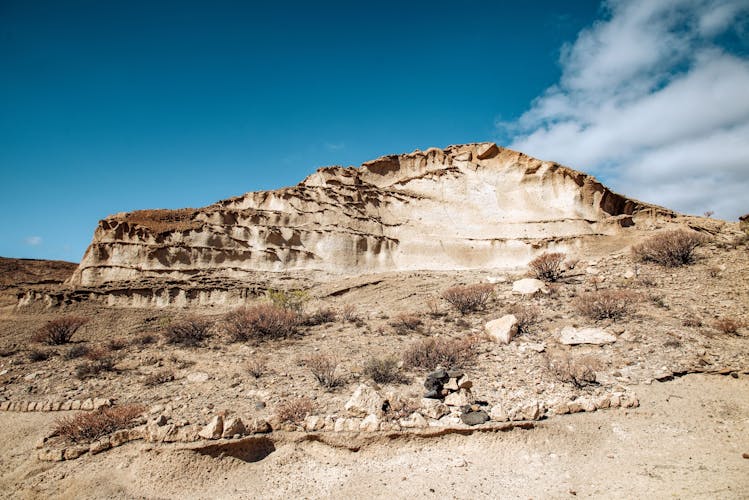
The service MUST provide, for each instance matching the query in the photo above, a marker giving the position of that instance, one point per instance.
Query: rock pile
(453, 389)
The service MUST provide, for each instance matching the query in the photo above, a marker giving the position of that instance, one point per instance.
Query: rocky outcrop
(464, 207)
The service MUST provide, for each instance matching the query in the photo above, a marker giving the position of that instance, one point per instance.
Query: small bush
(190, 331)
(158, 378)
(670, 248)
(548, 266)
(294, 411)
(257, 367)
(76, 351)
(292, 300)
(145, 339)
(99, 360)
(61, 330)
(89, 426)
(261, 322)
(324, 367)
(406, 322)
(433, 307)
(727, 325)
(578, 372)
(527, 317)
(383, 370)
(37, 355)
(349, 314)
(606, 304)
(692, 321)
(430, 353)
(319, 317)
(117, 344)
(468, 298)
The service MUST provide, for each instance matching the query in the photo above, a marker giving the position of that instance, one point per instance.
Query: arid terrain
(605, 374)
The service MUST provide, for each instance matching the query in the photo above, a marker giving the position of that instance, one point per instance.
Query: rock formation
(465, 207)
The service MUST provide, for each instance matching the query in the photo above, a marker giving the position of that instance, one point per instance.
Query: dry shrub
(606, 304)
(117, 344)
(383, 370)
(261, 322)
(295, 410)
(527, 317)
(158, 378)
(89, 426)
(37, 355)
(319, 317)
(548, 266)
(468, 298)
(727, 325)
(578, 372)
(323, 367)
(430, 353)
(671, 248)
(257, 367)
(61, 330)
(434, 308)
(99, 360)
(76, 351)
(190, 331)
(349, 314)
(145, 339)
(406, 322)
(692, 321)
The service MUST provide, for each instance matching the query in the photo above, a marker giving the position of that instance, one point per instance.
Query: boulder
(87, 404)
(498, 413)
(433, 409)
(528, 286)
(474, 417)
(364, 401)
(75, 451)
(232, 427)
(214, 429)
(573, 336)
(487, 150)
(99, 446)
(459, 398)
(502, 330)
(314, 423)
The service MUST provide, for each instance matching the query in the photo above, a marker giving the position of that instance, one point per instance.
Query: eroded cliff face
(465, 207)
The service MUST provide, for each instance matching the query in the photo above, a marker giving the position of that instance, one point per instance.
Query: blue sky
(116, 106)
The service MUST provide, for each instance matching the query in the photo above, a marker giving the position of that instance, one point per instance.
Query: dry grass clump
(606, 304)
(257, 367)
(527, 317)
(383, 370)
(61, 330)
(261, 322)
(671, 248)
(319, 317)
(75, 352)
(99, 360)
(576, 371)
(189, 331)
(158, 378)
(406, 322)
(548, 266)
(37, 355)
(727, 325)
(434, 308)
(295, 410)
(468, 298)
(89, 426)
(323, 367)
(691, 321)
(145, 339)
(430, 353)
(349, 314)
(117, 344)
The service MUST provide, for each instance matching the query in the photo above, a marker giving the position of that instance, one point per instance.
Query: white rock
(433, 408)
(364, 401)
(459, 398)
(498, 413)
(196, 377)
(214, 429)
(496, 279)
(573, 336)
(370, 424)
(532, 346)
(528, 286)
(314, 423)
(502, 330)
(415, 421)
(233, 426)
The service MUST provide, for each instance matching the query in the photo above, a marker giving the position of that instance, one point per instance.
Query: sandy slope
(685, 441)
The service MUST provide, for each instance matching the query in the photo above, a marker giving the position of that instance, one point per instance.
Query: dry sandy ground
(685, 441)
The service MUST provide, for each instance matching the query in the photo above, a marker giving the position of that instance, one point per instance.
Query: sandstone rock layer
(465, 207)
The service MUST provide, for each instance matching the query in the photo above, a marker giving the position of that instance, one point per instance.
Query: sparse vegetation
(671, 248)
(430, 352)
(145, 339)
(434, 308)
(261, 322)
(37, 355)
(294, 411)
(257, 366)
(117, 344)
(324, 367)
(606, 304)
(406, 322)
(158, 378)
(319, 317)
(292, 300)
(61, 330)
(99, 360)
(527, 317)
(89, 426)
(692, 321)
(728, 326)
(383, 370)
(548, 266)
(468, 298)
(189, 331)
(349, 314)
(579, 372)
(76, 351)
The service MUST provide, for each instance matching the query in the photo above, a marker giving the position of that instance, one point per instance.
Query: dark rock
(431, 384)
(440, 374)
(455, 374)
(474, 417)
(259, 405)
(432, 395)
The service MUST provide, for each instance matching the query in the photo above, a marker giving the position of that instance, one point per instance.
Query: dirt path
(685, 441)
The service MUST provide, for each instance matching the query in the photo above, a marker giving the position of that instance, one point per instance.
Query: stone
(313, 423)
(574, 336)
(431, 408)
(31, 406)
(340, 424)
(486, 151)
(232, 427)
(498, 413)
(528, 286)
(364, 401)
(451, 385)
(502, 330)
(4, 405)
(464, 383)
(50, 455)
(213, 429)
(161, 420)
(259, 426)
(528, 411)
(47, 406)
(198, 377)
(99, 446)
(370, 424)
(87, 404)
(66, 405)
(101, 403)
(433, 384)
(187, 434)
(532, 346)
(459, 398)
(474, 417)
(75, 451)
(439, 374)
(433, 395)
(118, 438)
(414, 421)
(603, 402)
(56, 406)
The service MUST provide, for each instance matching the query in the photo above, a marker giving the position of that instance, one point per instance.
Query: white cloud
(33, 240)
(652, 103)
(334, 146)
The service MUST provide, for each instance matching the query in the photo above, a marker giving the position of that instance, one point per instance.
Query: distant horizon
(110, 108)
